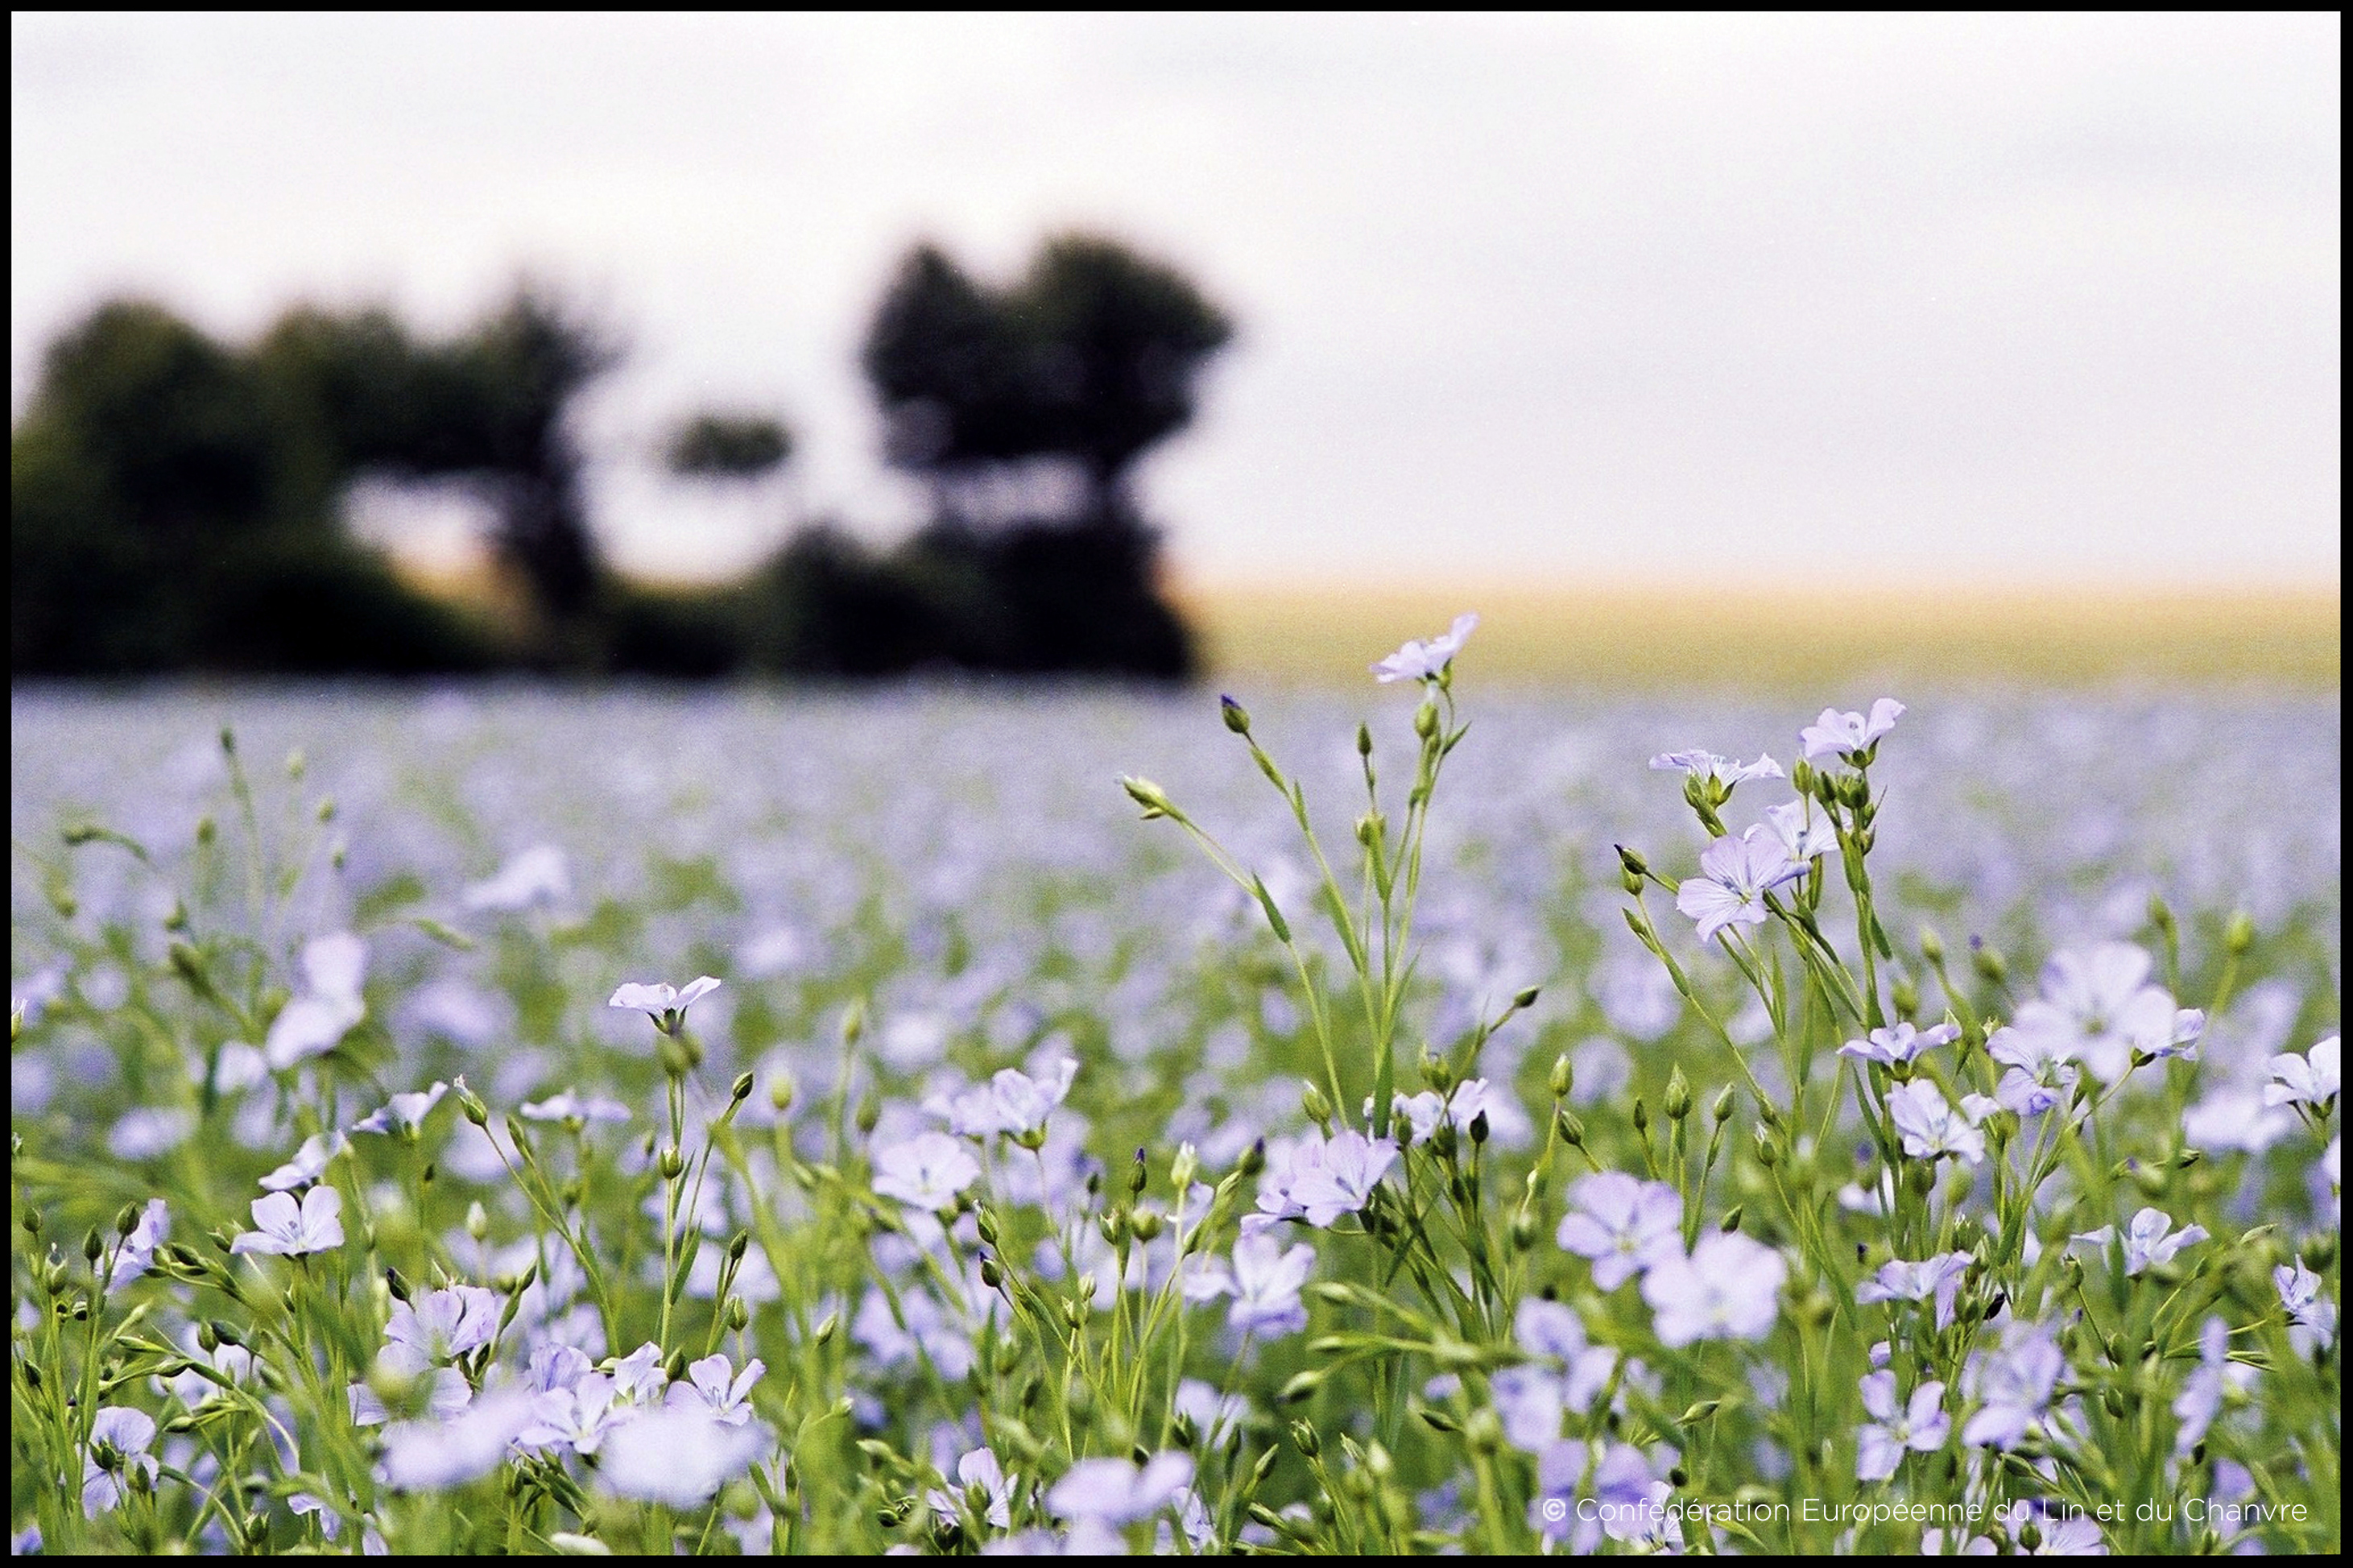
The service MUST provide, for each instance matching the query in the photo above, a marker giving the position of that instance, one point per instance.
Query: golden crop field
(1651, 637)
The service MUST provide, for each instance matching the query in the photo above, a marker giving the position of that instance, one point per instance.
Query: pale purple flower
(926, 1171)
(150, 1132)
(1900, 1043)
(2013, 1385)
(1012, 1102)
(535, 875)
(576, 1418)
(2098, 1008)
(309, 1162)
(1804, 829)
(315, 1022)
(553, 1365)
(1116, 1492)
(2149, 1240)
(1428, 660)
(1214, 1416)
(1532, 1397)
(1708, 767)
(2311, 1315)
(424, 1456)
(1265, 1281)
(1734, 876)
(439, 1326)
(1729, 1288)
(1842, 735)
(405, 1113)
(2039, 1075)
(446, 1394)
(2216, 1377)
(193, 1388)
(283, 1227)
(1899, 1280)
(2311, 1079)
(979, 1468)
(1931, 1126)
(137, 1251)
(1921, 1426)
(1414, 1117)
(679, 1457)
(2069, 1533)
(1568, 1503)
(930, 1330)
(638, 1377)
(236, 1069)
(664, 1004)
(713, 1384)
(1623, 1224)
(569, 1106)
(1342, 1180)
(124, 1433)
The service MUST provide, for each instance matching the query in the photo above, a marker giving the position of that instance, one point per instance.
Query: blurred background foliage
(179, 503)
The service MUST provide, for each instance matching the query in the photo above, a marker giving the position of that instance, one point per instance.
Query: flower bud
(1312, 1101)
(1303, 1437)
(781, 1090)
(1732, 1219)
(1237, 718)
(1425, 719)
(1572, 1129)
(1932, 946)
(1254, 1158)
(1721, 1110)
(739, 1314)
(1484, 1431)
(1678, 1100)
(672, 1163)
(826, 1328)
(471, 1104)
(93, 1246)
(1641, 1116)
(1563, 1076)
(1633, 863)
(1148, 795)
(1990, 963)
(2240, 934)
(1147, 1224)
(741, 1090)
(1184, 1167)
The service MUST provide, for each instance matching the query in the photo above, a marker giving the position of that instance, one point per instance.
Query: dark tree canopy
(172, 507)
(1093, 355)
(727, 446)
(176, 502)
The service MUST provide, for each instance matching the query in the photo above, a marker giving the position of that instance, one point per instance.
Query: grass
(1650, 637)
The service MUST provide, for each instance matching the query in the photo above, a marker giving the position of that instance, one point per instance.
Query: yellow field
(1820, 641)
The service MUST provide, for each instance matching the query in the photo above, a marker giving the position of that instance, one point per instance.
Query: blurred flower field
(390, 1173)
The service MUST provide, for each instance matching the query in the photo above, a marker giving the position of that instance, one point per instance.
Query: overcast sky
(1642, 299)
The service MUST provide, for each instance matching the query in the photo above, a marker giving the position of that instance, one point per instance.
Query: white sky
(1648, 299)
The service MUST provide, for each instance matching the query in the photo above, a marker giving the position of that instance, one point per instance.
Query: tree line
(178, 502)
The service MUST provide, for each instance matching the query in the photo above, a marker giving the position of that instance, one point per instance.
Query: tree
(174, 505)
(1091, 356)
(727, 446)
